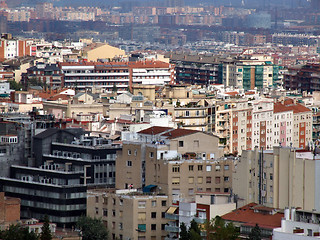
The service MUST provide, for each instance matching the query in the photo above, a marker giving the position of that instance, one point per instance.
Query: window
(176, 168)
(226, 190)
(226, 167)
(218, 167)
(217, 189)
(271, 176)
(113, 213)
(190, 191)
(97, 210)
(151, 154)
(120, 226)
(129, 163)
(208, 189)
(163, 226)
(217, 180)
(190, 168)
(187, 113)
(129, 152)
(180, 143)
(153, 203)
(120, 213)
(208, 168)
(191, 180)
(153, 214)
(153, 227)
(163, 203)
(105, 212)
(175, 180)
(97, 199)
(200, 179)
(141, 204)
(226, 179)
(141, 216)
(163, 215)
(208, 179)
(199, 167)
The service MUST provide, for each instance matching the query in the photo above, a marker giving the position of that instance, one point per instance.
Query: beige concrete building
(284, 177)
(193, 117)
(95, 51)
(182, 179)
(129, 214)
(148, 91)
(179, 161)
(62, 110)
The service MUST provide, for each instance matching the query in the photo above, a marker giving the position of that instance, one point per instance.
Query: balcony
(174, 229)
(172, 216)
(200, 220)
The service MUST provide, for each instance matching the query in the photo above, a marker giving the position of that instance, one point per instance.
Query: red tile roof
(232, 93)
(247, 216)
(154, 130)
(179, 133)
(289, 105)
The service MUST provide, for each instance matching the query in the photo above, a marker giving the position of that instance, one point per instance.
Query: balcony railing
(171, 229)
(172, 216)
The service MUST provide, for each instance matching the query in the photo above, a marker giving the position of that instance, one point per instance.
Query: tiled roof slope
(248, 216)
(289, 105)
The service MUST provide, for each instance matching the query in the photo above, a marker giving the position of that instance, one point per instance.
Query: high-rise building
(284, 177)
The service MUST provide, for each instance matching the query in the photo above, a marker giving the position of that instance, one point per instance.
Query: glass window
(141, 204)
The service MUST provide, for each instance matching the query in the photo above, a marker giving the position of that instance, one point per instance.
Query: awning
(148, 188)
(114, 137)
(171, 210)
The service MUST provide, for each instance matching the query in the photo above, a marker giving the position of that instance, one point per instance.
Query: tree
(17, 232)
(15, 85)
(255, 233)
(45, 229)
(217, 229)
(92, 228)
(184, 234)
(193, 233)
(194, 228)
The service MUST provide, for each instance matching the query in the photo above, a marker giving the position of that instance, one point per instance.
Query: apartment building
(253, 71)
(43, 74)
(51, 189)
(192, 117)
(262, 119)
(116, 76)
(9, 210)
(244, 125)
(151, 72)
(292, 124)
(298, 224)
(245, 71)
(11, 48)
(129, 214)
(206, 206)
(303, 78)
(182, 179)
(284, 177)
(173, 159)
(95, 51)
